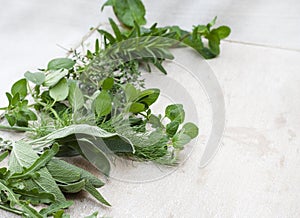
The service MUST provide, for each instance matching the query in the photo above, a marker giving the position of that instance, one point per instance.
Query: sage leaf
(35, 197)
(61, 63)
(76, 173)
(60, 91)
(73, 187)
(75, 97)
(55, 207)
(36, 78)
(93, 191)
(53, 77)
(22, 156)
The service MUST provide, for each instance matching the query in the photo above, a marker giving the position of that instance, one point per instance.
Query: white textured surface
(256, 173)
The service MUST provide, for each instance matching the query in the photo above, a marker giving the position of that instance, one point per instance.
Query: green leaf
(137, 108)
(53, 77)
(190, 129)
(3, 155)
(39, 163)
(94, 215)
(55, 207)
(180, 139)
(73, 187)
(148, 96)
(61, 63)
(155, 121)
(31, 212)
(128, 11)
(60, 91)
(22, 156)
(36, 78)
(11, 196)
(93, 191)
(62, 172)
(116, 30)
(69, 173)
(75, 97)
(108, 83)
(11, 119)
(102, 104)
(131, 92)
(35, 197)
(95, 155)
(175, 112)
(222, 31)
(172, 128)
(20, 87)
(9, 98)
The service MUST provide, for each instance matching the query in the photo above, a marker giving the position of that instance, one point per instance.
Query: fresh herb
(95, 105)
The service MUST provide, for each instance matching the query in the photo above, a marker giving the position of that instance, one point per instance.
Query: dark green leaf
(3, 155)
(222, 31)
(11, 119)
(108, 83)
(116, 30)
(172, 128)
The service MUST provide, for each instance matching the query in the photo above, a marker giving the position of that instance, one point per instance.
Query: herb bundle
(95, 105)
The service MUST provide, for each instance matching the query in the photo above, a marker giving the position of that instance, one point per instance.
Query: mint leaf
(60, 91)
(102, 104)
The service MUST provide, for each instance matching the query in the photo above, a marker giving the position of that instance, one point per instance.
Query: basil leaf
(61, 63)
(60, 91)
(36, 78)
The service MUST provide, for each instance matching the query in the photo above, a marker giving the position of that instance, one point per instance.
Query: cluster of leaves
(95, 105)
(131, 14)
(34, 180)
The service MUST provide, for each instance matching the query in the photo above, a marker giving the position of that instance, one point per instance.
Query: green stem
(16, 128)
(13, 210)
